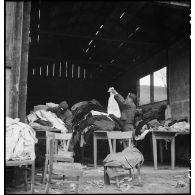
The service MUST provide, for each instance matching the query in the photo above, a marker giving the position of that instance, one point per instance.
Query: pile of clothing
(175, 125)
(89, 116)
(154, 120)
(20, 140)
(46, 118)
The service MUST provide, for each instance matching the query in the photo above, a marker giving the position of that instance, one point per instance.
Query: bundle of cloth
(129, 158)
(154, 120)
(20, 140)
(89, 116)
(46, 118)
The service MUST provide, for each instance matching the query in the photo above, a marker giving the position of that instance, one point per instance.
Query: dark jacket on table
(127, 109)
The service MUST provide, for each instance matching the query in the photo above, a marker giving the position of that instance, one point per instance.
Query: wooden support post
(138, 91)
(168, 75)
(17, 45)
(14, 19)
(152, 87)
(24, 62)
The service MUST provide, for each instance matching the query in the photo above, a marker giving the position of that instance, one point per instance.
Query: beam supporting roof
(93, 37)
(174, 3)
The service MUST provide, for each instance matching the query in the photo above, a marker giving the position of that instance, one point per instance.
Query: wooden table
(25, 163)
(100, 135)
(45, 129)
(163, 135)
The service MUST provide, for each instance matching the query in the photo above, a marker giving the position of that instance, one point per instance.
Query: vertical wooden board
(138, 91)
(24, 62)
(50, 70)
(10, 11)
(8, 85)
(152, 87)
(44, 70)
(17, 18)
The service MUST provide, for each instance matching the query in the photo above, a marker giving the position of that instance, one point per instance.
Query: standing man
(127, 108)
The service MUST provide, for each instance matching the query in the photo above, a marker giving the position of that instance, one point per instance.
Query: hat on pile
(63, 105)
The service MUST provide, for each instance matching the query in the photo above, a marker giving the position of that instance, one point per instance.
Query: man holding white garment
(127, 108)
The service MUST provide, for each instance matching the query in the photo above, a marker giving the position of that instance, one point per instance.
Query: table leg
(154, 151)
(25, 177)
(32, 177)
(117, 182)
(106, 177)
(139, 175)
(173, 153)
(95, 151)
(82, 155)
(161, 151)
(114, 146)
(151, 149)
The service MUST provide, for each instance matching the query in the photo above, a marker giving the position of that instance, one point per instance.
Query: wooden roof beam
(174, 4)
(65, 35)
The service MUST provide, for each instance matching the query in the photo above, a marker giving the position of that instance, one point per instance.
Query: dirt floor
(162, 180)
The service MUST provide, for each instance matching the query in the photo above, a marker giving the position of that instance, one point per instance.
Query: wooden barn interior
(76, 50)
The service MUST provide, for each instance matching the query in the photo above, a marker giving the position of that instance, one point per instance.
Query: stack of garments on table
(89, 116)
(154, 120)
(178, 125)
(46, 118)
(20, 140)
(81, 109)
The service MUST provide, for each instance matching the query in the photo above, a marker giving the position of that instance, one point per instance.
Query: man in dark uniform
(127, 108)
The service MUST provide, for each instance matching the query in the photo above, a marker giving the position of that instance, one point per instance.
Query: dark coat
(127, 109)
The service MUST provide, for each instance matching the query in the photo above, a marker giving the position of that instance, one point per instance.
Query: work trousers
(127, 127)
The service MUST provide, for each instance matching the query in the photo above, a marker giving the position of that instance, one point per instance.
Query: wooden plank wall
(16, 54)
(24, 62)
(14, 17)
